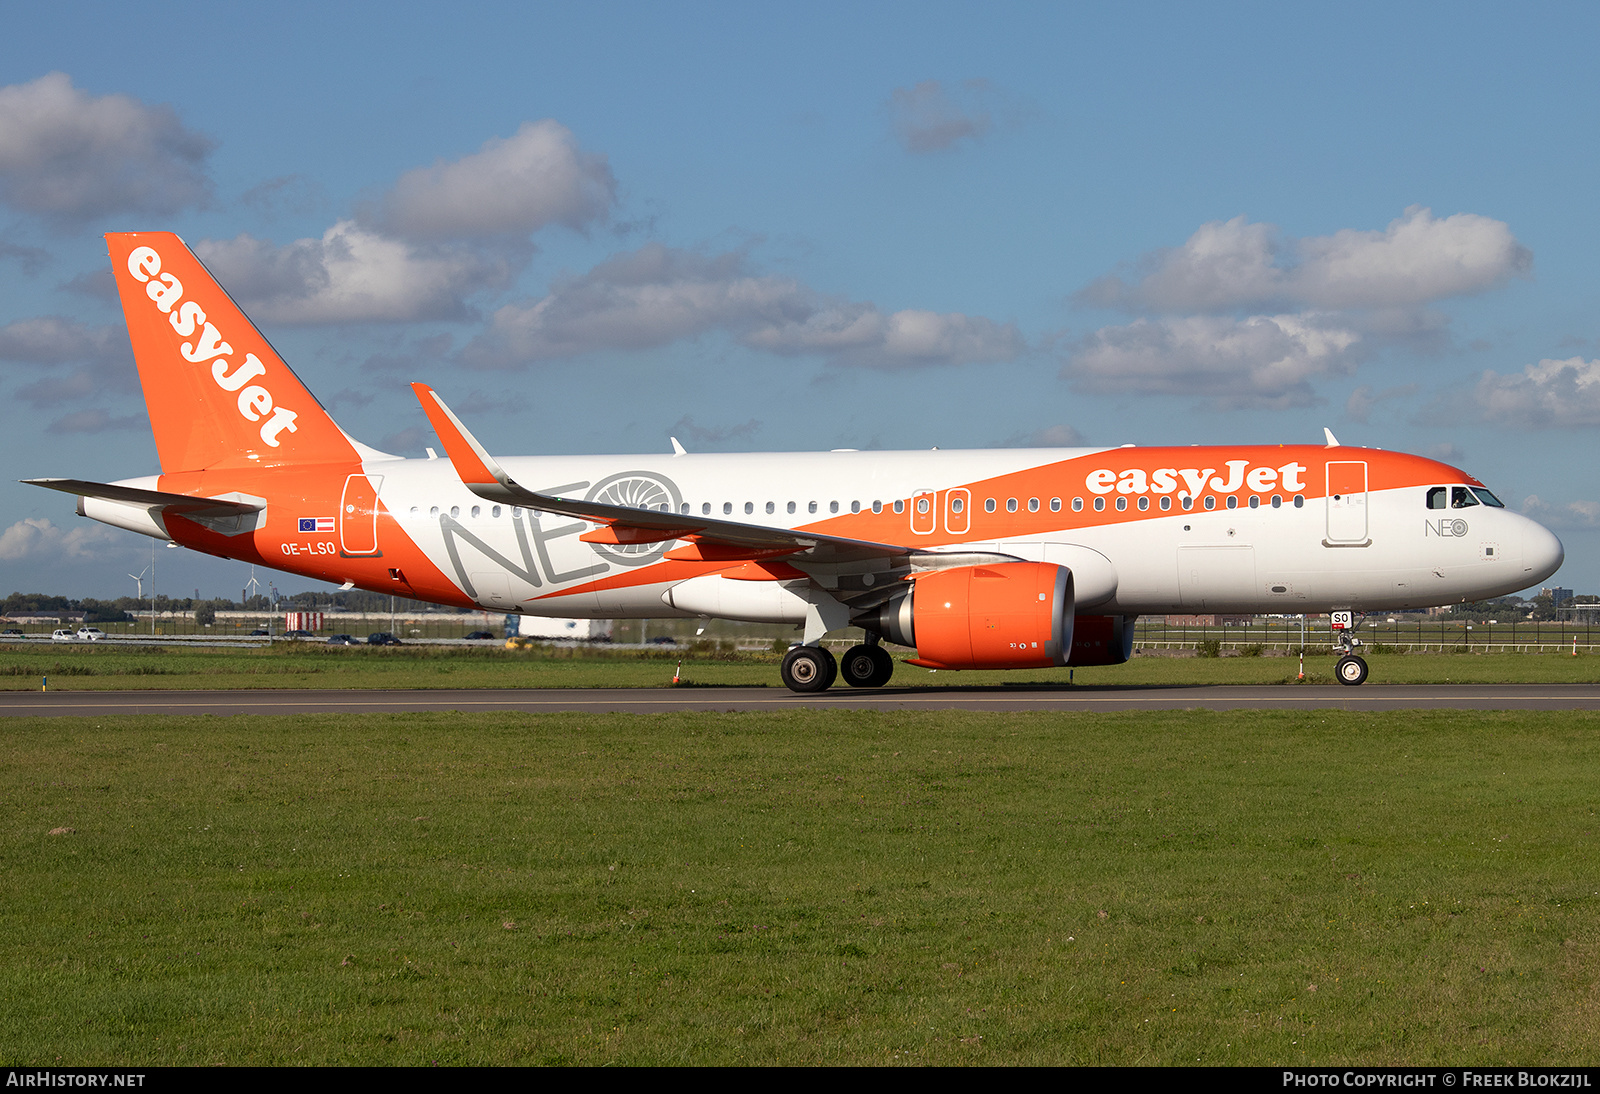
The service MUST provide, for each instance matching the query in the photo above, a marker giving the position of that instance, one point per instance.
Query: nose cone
(1542, 553)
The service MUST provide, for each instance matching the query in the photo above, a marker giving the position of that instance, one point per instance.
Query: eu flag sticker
(316, 524)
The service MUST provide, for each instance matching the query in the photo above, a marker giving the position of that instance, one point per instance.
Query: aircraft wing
(710, 539)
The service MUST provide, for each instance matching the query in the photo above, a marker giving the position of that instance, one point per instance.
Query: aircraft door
(358, 517)
(957, 511)
(1347, 504)
(924, 512)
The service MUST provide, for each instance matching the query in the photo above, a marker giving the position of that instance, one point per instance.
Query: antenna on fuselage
(1333, 442)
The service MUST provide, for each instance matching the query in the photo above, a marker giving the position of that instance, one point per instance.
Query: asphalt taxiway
(665, 700)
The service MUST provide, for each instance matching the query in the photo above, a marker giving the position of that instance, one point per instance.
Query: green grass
(822, 888)
(85, 667)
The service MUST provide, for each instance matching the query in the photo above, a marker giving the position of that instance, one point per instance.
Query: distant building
(1558, 596)
(1209, 620)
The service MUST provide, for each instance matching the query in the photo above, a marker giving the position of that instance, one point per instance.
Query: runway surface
(664, 700)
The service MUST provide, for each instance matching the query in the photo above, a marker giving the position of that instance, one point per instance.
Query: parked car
(343, 640)
(91, 634)
(64, 635)
(662, 640)
(382, 638)
(11, 632)
(479, 636)
(261, 632)
(298, 634)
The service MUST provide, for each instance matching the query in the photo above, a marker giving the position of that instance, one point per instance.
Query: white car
(91, 634)
(64, 636)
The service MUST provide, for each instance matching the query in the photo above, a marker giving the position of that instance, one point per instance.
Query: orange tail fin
(218, 393)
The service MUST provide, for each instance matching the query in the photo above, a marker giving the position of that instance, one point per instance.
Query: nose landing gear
(1350, 669)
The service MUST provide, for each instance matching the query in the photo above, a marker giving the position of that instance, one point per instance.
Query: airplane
(995, 559)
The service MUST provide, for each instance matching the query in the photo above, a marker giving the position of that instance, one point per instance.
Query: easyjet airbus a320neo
(988, 559)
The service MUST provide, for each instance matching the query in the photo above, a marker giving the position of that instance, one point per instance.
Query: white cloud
(1550, 393)
(54, 340)
(1363, 400)
(352, 274)
(96, 421)
(71, 157)
(1261, 361)
(1576, 514)
(929, 117)
(1051, 436)
(511, 186)
(1229, 266)
(36, 537)
(658, 295)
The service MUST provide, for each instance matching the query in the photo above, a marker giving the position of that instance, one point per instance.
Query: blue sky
(783, 228)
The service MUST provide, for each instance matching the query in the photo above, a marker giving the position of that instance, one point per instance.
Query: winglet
(472, 461)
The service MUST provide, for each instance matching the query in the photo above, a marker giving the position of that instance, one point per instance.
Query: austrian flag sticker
(316, 524)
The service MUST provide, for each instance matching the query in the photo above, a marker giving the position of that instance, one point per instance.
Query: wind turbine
(138, 588)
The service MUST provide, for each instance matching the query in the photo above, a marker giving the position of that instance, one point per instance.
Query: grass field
(89, 666)
(1174, 888)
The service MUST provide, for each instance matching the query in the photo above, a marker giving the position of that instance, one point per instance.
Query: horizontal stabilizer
(180, 504)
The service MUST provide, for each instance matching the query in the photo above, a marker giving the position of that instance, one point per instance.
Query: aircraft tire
(808, 669)
(866, 666)
(1351, 671)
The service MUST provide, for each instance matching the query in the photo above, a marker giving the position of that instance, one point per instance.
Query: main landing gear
(808, 668)
(812, 668)
(868, 666)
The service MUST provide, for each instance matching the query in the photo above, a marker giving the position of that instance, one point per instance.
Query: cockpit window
(1488, 498)
(1461, 497)
(1438, 497)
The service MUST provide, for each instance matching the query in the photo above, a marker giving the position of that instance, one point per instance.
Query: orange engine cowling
(1009, 615)
(1101, 640)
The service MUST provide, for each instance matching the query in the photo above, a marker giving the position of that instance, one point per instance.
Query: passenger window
(855, 507)
(877, 507)
(1011, 505)
(495, 512)
(1211, 502)
(1055, 505)
(1122, 503)
(1166, 503)
(455, 511)
(749, 508)
(1144, 503)
(1277, 501)
(1255, 502)
(1233, 502)
(811, 507)
(771, 508)
(1033, 505)
(1188, 502)
(1436, 497)
(1077, 505)
(1299, 501)
(899, 507)
(957, 505)
(475, 511)
(833, 507)
(727, 508)
(1461, 498)
(988, 505)
(1099, 505)
(791, 507)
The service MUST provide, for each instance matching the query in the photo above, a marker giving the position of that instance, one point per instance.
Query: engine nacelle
(1101, 640)
(1008, 615)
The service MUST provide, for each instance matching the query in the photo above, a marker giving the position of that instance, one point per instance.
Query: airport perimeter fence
(1377, 634)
